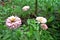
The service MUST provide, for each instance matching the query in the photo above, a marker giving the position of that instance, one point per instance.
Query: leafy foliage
(31, 29)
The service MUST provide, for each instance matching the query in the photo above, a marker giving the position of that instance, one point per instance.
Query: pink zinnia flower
(13, 22)
(44, 26)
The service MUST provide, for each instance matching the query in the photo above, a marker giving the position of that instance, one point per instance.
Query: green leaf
(51, 19)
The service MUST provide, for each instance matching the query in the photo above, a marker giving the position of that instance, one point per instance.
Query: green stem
(36, 7)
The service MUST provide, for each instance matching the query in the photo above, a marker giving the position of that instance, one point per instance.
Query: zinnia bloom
(13, 22)
(41, 19)
(25, 8)
(44, 26)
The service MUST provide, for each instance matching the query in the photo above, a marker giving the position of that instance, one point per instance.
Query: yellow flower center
(12, 19)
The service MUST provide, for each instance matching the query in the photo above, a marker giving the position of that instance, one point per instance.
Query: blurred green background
(30, 30)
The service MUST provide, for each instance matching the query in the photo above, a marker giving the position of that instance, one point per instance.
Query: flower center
(12, 19)
(41, 19)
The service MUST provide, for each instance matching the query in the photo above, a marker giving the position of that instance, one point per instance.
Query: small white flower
(25, 8)
(41, 20)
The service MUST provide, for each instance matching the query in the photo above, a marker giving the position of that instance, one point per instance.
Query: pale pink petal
(8, 20)
(8, 24)
(44, 26)
(18, 23)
